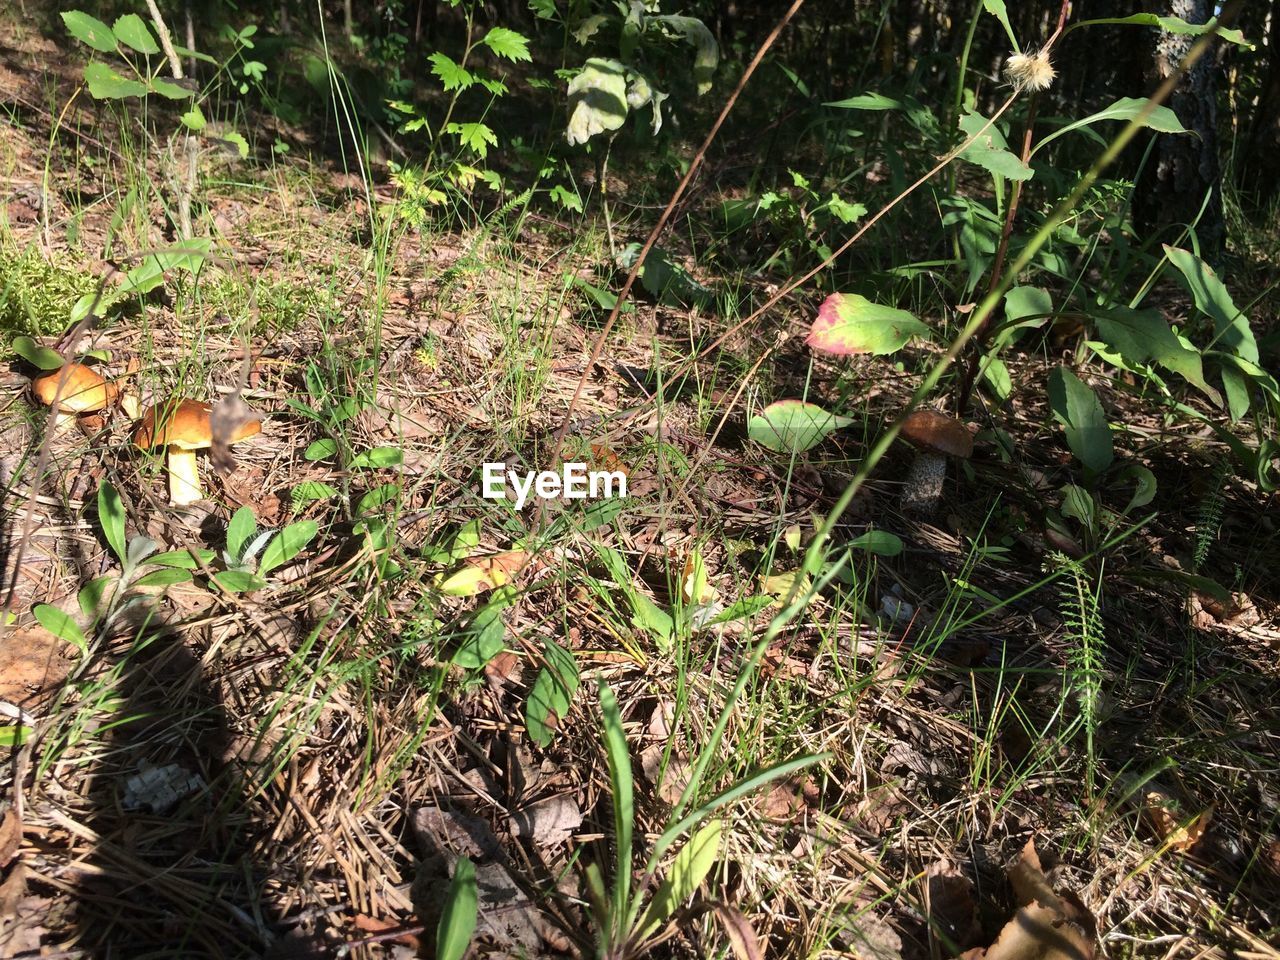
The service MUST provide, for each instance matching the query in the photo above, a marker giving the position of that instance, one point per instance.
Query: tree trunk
(1262, 151)
(1183, 169)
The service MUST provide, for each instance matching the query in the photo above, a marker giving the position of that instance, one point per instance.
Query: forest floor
(293, 770)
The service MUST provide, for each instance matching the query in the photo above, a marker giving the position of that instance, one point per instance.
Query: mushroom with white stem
(183, 429)
(937, 437)
(76, 389)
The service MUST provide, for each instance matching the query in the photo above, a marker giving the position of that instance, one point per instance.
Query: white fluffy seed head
(1030, 71)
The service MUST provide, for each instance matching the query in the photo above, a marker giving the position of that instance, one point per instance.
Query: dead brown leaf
(10, 836)
(952, 910)
(742, 936)
(374, 925)
(548, 822)
(669, 783)
(1162, 811)
(32, 665)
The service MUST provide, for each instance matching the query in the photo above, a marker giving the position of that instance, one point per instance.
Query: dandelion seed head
(1030, 71)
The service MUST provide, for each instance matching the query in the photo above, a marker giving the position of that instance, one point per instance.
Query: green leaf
(60, 625)
(1078, 504)
(182, 559)
(743, 609)
(707, 52)
(597, 100)
(689, 868)
(848, 323)
(1171, 25)
(1144, 485)
(1236, 387)
(995, 374)
(486, 634)
(882, 543)
(320, 449)
(1160, 118)
(867, 101)
(111, 516)
(14, 736)
(239, 142)
(377, 458)
(233, 581)
(287, 544)
(1143, 336)
(458, 916)
(1231, 327)
(309, 491)
(193, 119)
(240, 530)
(793, 426)
(1084, 423)
(189, 257)
(465, 540)
(377, 498)
(997, 9)
(169, 89)
(990, 151)
(164, 577)
(40, 357)
(474, 136)
(91, 596)
(551, 694)
(106, 84)
(133, 32)
(89, 30)
(508, 44)
(651, 618)
(452, 75)
(620, 778)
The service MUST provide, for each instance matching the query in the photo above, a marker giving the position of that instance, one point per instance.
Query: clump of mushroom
(76, 389)
(937, 437)
(182, 427)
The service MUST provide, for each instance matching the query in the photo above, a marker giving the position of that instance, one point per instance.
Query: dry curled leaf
(1164, 814)
(10, 836)
(742, 937)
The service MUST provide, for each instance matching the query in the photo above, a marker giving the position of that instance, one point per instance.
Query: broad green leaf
(867, 101)
(1144, 485)
(707, 55)
(309, 491)
(597, 100)
(40, 357)
(60, 625)
(996, 375)
(194, 119)
(133, 32)
(1021, 303)
(649, 617)
(848, 323)
(466, 581)
(1231, 327)
(139, 549)
(689, 868)
(742, 609)
(182, 559)
(320, 449)
(90, 301)
(188, 256)
(1078, 504)
(164, 577)
(240, 529)
(793, 426)
(882, 543)
(378, 457)
(1160, 118)
(474, 136)
(551, 694)
(458, 916)
(169, 89)
(287, 544)
(624, 812)
(237, 141)
(486, 634)
(452, 76)
(111, 516)
(92, 595)
(997, 9)
(990, 151)
(507, 43)
(1174, 25)
(1143, 336)
(105, 84)
(89, 30)
(377, 498)
(1084, 423)
(233, 581)
(1236, 387)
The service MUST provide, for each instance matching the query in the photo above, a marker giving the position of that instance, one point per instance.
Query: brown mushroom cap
(185, 425)
(83, 392)
(938, 433)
